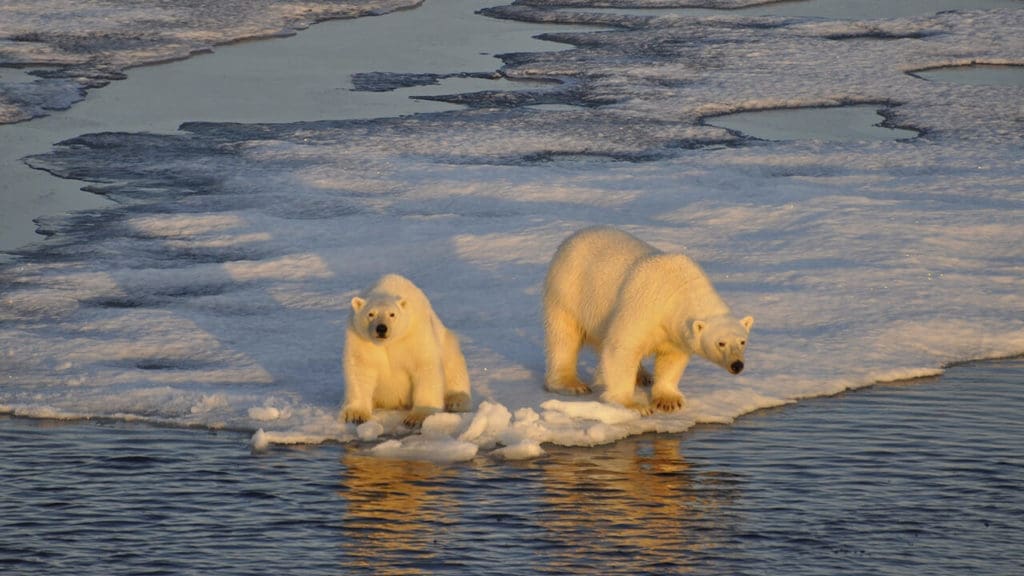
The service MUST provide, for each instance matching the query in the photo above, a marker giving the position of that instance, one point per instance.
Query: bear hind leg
(456, 402)
(456, 377)
(564, 337)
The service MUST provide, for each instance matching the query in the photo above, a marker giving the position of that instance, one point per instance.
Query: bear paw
(642, 409)
(573, 386)
(457, 402)
(354, 414)
(417, 416)
(668, 402)
(635, 402)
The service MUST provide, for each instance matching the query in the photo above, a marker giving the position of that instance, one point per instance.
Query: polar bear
(399, 355)
(609, 290)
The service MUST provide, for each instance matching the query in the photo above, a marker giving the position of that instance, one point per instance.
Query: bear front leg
(358, 406)
(355, 414)
(427, 392)
(416, 416)
(360, 384)
(668, 369)
(563, 339)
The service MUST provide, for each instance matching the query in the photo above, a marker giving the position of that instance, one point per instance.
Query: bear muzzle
(736, 367)
(381, 331)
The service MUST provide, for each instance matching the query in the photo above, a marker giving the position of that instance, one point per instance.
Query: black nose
(382, 331)
(736, 367)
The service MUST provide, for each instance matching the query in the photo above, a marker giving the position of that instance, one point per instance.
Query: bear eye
(391, 315)
(371, 314)
(721, 344)
(743, 342)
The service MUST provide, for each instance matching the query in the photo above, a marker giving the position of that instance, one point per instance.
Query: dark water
(917, 478)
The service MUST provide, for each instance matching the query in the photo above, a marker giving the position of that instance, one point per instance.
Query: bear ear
(748, 323)
(698, 327)
(358, 303)
(403, 303)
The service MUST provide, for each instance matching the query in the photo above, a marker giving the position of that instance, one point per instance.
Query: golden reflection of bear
(634, 505)
(395, 509)
(629, 507)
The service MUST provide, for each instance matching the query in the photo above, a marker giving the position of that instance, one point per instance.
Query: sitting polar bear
(628, 300)
(398, 355)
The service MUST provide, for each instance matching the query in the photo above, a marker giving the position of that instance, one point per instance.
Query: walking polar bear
(609, 290)
(399, 355)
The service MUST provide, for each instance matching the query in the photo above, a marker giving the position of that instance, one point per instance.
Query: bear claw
(643, 409)
(573, 387)
(416, 417)
(668, 404)
(354, 415)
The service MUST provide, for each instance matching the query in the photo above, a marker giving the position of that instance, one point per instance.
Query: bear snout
(381, 330)
(736, 367)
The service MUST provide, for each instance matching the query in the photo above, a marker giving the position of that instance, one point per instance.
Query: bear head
(380, 318)
(722, 340)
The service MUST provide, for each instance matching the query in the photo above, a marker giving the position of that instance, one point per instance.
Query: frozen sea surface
(325, 73)
(213, 294)
(905, 479)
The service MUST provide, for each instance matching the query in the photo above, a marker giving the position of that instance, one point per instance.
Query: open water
(921, 477)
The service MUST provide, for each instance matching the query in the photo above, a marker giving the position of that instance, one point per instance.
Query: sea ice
(215, 292)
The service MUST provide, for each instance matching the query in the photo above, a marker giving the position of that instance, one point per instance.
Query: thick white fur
(416, 363)
(628, 300)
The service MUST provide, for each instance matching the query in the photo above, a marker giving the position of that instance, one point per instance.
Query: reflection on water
(634, 507)
(396, 515)
(906, 479)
